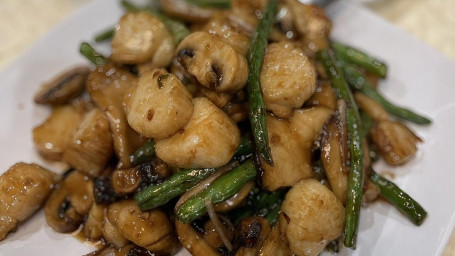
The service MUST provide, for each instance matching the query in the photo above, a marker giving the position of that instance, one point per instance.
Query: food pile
(223, 127)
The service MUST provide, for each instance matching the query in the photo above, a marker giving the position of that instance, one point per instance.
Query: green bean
(245, 146)
(257, 110)
(143, 154)
(211, 3)
(90, 53)
(105, 35)
(157, 195)
(260, 203)
(352, 55)
(221, 189)
(358, 81)
(178, 29)
(356, 169)
(405, 203)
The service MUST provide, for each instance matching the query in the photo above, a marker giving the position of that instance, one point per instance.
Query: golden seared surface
(138, 36)
(209, 139)
(290, 142)
(160, 106)
(23, 190)
(288, 78)
(315, 217)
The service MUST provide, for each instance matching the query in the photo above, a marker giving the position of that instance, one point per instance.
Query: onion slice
(219, 228)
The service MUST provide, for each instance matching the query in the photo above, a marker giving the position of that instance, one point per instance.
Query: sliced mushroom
(276, 243)
(323, 97)
(23, 190)
(66, 207)
(250, 235)
(334, 156)
(395, 142)
(127, 181)
(112, 234)
(52, 136)
(109, 87)
(288, 78)
(214, 63)
(193, 241)
(93, 226)
(91, 145)
(209, 139)
(63, 88)
(212, 237)
(291, 142)
(186, 11)
(151, 230)
(312, 24)
(237, 111)
(220, 99)
(315, 217)
(371, 107)
(236, 200)
(140, 37)
(221, 26)
(160, 106)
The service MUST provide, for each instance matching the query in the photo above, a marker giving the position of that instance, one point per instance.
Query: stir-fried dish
(222, 127)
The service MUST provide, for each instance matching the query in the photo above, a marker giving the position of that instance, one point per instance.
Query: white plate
(419, 78)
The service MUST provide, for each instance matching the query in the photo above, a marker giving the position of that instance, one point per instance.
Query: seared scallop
(52, 137)
(209, 139)
(91, 145)
(290, 142)
(160, 105)
(140, 37)
(288, 78)
(23, 190)
(315, 217)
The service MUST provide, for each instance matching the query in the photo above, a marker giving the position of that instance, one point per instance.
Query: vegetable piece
(213, 62)
(144, 153)
(90, 53)
(245, 147)
(255, 95)
(157, 195)
(53, 135)
(110, 89)
(359, 82)
(396, 142)
(64, 87)
(193, 241)
(105, 35)
(405, 203)
(353, 55)
(23, 189)
(67, 205)
(356, 168)
(221, 189)
(152, 229)
(211, 3)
